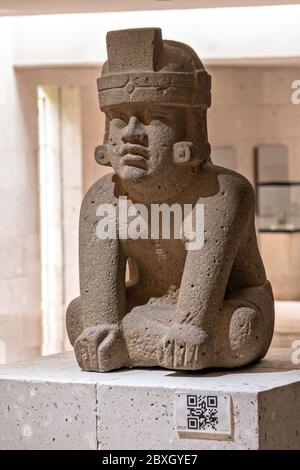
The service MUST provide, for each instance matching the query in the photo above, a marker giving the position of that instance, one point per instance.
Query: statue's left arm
(228, 216)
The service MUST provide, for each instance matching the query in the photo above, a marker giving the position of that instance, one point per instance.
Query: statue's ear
(101, 155)
(182, 152)
(188, 153)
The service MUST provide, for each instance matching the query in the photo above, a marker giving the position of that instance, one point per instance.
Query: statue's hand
(183, 347)
(101, 348)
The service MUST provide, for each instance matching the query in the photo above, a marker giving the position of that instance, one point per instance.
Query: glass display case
(279, 206)
(278, 198)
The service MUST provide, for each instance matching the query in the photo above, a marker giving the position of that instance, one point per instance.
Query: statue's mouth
(135, 155)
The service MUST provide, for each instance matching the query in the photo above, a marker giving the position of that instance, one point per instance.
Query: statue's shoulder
(232, 181)
(101, 191)
(218, 183)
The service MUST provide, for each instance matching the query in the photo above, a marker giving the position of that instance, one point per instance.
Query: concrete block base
(50, 404)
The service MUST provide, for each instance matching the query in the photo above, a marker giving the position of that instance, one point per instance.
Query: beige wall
(252, 106)
(19, 227)
(281, 254)
(92, 118)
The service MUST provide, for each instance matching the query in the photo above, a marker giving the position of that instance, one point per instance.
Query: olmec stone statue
(180, 309)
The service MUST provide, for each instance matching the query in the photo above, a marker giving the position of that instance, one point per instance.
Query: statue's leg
(241, 334)
(245, 329)
(143, 329)
(132, 343)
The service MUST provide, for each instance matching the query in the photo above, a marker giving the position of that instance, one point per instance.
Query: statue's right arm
(102, 266)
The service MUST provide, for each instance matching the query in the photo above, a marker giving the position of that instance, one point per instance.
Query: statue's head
(155, 94)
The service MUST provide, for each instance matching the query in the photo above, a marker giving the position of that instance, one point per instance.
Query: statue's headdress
(141, 67)
(144, 68)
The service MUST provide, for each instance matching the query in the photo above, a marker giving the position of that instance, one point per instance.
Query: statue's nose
(134, 132)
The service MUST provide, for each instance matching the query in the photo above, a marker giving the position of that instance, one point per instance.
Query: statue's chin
(132, 174)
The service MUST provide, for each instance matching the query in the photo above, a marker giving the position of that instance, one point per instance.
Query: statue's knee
(246, 331)
(74, 320)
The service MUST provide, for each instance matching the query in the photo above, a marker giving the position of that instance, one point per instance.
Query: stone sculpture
(181, 309)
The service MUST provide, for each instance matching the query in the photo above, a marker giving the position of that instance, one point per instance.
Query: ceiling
(40, 7)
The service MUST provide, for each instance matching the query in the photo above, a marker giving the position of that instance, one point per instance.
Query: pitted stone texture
(186, 310)
(49, 415)
(139, 49)
(50, 404)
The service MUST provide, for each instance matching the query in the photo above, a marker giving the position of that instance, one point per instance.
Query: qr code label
(206, 414)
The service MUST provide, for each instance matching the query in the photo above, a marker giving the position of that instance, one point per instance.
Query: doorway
(60, 195)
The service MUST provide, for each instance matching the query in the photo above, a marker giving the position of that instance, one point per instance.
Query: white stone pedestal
(50, 404)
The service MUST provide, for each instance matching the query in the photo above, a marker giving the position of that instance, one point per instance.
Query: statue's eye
(119, 121)
(117, 117)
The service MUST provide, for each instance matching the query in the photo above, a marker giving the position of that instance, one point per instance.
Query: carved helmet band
(143, 68)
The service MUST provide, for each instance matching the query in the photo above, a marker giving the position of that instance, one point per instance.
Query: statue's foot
(101, 348)
(184, 347)
(245, 328)
(243, 338)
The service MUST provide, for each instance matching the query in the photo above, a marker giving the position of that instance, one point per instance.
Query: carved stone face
(141, 139)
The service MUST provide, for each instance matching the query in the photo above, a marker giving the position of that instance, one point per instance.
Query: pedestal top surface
(275, 370)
